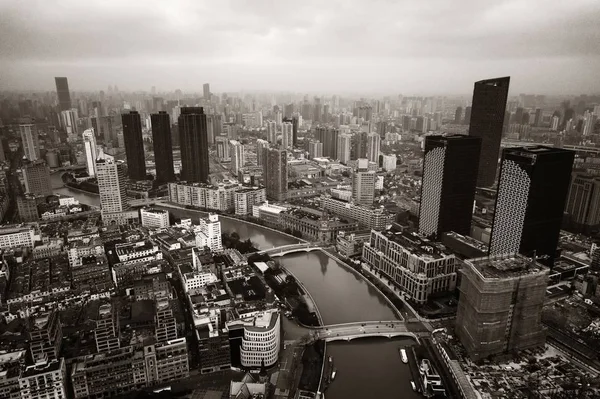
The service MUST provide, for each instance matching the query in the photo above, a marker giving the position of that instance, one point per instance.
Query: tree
(287, 230)
(297, 233)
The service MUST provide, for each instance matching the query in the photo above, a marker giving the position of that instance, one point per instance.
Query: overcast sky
(323, 46)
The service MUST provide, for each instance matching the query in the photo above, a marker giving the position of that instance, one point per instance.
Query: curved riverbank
(307, 292)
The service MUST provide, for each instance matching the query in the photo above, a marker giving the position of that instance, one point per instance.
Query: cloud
(309, 45)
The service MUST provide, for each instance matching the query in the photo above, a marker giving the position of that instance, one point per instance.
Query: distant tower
(272, 132)
(373, 144)
(193, 141)
(449, 180)
(261, 145)
(458, 115)
(29, 138)
(487, 119)
(532, 191)
(206, 91)
(163, 149)
(275, 174)
(237, 156)
(344, 147)
(134, 145)
(64, 97)
(91, 152)
(315, 150)
(287, 131)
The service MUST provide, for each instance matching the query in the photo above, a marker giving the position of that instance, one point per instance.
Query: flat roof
(507, 266)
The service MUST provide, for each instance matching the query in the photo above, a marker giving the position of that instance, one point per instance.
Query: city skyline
(432, 48)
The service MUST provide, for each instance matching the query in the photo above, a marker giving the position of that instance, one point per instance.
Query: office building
(68, 121)
(134, 145)
(209, 233)
(532, 191)
(236, 150)
(206, 91)
(246, 198)
(62, 90)
(458, 115)
(363, 183)
(275, 174)
(37, 178)
(500, 306)
(43, 380)
(583, 202)
(27, 207)
(112, 187)
(29, 139)
(448, 184)
(272, 132)
(255, 339)
(154, 218)
(91, 152)
(329, 138)
(163, 148)
(421, 267)
(487, 119)
(373, 144)
(287, 132)
(315, 149)
(193, 142)
(369, 217)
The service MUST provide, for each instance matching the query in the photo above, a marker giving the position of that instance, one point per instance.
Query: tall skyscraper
(29, 138)
(467, 120)
(275, 174)
(237, 156)
(287, 130)
(538, 117)
(163, 149)
(193, 141)
(68, 121)
(532, 191)
(112, 187)
(91, 152)
(294, 122)
(583, 202)
(373, 144)
(329, 138)
(344, 147)
(487, 118)
(261, 145)
(458, 115)
(62, 89)
(358, 148)
(37, 178)
(206, 91)
(134, 145)
(448, 184)
(500, 306)
(272, 132)
(363, 183)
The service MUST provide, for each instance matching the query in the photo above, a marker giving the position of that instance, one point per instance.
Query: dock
(413, 364)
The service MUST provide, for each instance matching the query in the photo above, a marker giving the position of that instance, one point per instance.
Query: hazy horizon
(432, 47)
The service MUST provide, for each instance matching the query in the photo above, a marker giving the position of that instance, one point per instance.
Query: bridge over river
(291, 248)
(389, 329)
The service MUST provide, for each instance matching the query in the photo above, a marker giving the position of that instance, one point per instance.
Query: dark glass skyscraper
(449, 181)
(134, 145)
(487, 118)
(193, 140)
(532, 191)
(62, 89)
(163, 149)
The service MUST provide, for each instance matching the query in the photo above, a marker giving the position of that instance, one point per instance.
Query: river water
(367, 368)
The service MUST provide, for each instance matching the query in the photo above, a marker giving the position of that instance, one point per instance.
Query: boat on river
(403, 355)
(333, 375)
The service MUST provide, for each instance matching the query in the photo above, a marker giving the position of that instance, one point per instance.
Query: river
(367, 368)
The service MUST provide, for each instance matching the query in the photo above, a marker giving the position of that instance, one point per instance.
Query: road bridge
(290, 248)
(350, 331)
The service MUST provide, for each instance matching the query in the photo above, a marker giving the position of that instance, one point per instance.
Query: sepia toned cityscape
(229, 210)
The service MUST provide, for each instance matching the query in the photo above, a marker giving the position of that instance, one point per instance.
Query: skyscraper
(163, 149)
(373, 144)
(206, 91)
(29, 138)
(68, 121)
(272, 132)
(294, 122)
(37, 178)
(329, 138)
(448, 184)
(193, 141)
(261, 145)
(287, 130)
(532, 191)
(344, 147)
(583, 202)
(358, 148)
(91, 152)
(134, 145)
(315, 149)
(62, 89)
(458, 115)
(363, 183)
(112, 186)
(237, 156)
(275, 173)
(467, 120)
(487, 118)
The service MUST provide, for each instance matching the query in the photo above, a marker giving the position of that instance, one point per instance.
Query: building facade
(154, 218)
(134, 145)
(367, 216)
(29, 138)
(257, 339)
(163, 147)
(91, 152)
(246, 198)
(193, 141)
(275, 174)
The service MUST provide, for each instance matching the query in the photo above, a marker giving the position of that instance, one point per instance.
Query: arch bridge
(291, 248)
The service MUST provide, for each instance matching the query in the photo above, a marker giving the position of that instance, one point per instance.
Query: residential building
(275, 173)
(45, 335)
(531, 197)
(389, 162)
(112, 186)
(419, 266)
(163, 148)
(223, 149)
(500, 305)
(448, 184)
(373, 144)
(37, 178)
(62, 90)
(246, 198)
(29, 139)
(19, 236)
(134, 145)
(27, 207)
(315, 149)
(272, 132)
(255, 339)
(583, 202)
(107, 333)
(154, 218)
(209, 233)
(363, 183)
(237, 156)
(91, 152)
(486, 121)
(329, 138)
(344, 148)
(46, 379)
(193, 141)
(261, 145)
(220, 197)
(369, 217)
(68, 122)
